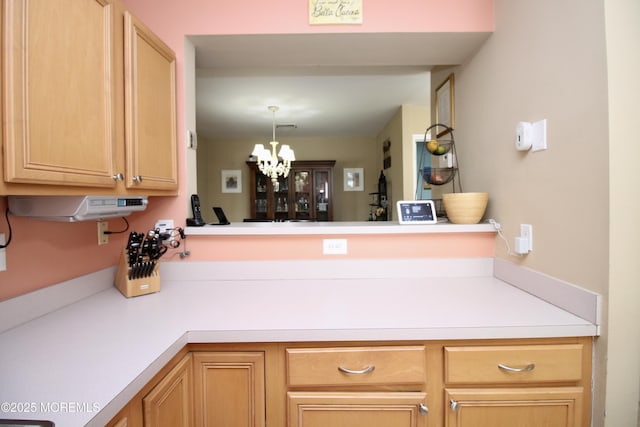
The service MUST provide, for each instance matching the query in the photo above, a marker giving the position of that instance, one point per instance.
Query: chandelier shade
(268, 162)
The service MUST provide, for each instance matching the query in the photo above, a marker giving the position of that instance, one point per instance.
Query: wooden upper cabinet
(150, 109)
(58, 94)
(88, 101)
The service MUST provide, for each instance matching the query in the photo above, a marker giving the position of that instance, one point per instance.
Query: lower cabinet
(360, 373)
(357, 409)
(170, 403)
(494, 385)
(466, 383)
(229, 389)
(532, 407)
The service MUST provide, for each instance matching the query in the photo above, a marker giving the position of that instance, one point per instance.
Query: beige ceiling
(325, 84)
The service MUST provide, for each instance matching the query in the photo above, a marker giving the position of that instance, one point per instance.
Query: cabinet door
(229, 389)
(357, 409)
(302, 195)
(281, 198)
(260, 195)
(170, 403)
(58, 71)
(150, 109)
(531, 407)
(322, 199)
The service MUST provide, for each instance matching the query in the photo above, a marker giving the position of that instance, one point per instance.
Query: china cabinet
(306, 194)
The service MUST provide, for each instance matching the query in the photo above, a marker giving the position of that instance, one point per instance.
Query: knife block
(135, 287)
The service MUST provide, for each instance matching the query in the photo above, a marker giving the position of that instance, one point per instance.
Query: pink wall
(237, 248)
(44, 253)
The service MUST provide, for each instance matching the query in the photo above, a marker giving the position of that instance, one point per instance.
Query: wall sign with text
(335, 12)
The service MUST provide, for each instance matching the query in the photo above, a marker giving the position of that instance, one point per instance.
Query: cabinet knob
(118, 177)
(454, 405)
(423, 409)
(137, 179)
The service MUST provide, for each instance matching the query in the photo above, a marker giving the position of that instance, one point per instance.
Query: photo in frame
(386, 154)
(231, 181)
(445, 105)
(353, 179)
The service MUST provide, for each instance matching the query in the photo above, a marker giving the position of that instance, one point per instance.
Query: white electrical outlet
(103, 226)
(334, 246)
(526, 232)
(164, 225)
(3, 254)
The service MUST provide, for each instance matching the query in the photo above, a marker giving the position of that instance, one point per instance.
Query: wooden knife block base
(136, 287)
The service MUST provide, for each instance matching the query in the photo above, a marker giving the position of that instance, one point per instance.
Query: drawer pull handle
(454, 405)
(530, 367)
(366, 370)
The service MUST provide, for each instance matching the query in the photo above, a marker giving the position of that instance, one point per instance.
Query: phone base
(193, 222)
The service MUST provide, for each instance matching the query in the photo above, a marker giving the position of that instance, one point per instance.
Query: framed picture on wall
(444, 105)
(353, 179)
(231, 181)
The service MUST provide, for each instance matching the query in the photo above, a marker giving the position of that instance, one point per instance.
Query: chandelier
(268, 162)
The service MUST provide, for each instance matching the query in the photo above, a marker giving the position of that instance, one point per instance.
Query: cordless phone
(197, 220)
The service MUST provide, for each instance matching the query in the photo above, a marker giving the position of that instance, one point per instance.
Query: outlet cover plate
(103, 226)
(3, 254)
(334, 246)
(539, 141)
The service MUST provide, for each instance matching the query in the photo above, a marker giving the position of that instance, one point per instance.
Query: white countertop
(333, 227)
(98, 352)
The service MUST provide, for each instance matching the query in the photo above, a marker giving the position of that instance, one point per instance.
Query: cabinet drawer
(513, 364)
(356, 366)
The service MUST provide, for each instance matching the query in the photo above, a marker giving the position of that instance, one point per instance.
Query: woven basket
(465, 208)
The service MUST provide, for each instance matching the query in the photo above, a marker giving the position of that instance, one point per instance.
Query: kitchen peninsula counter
(96, 353)
(334, 228)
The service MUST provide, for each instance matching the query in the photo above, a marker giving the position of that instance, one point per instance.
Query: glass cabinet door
(302, 196)
(261, 201)
(281, 198)
(322, 195)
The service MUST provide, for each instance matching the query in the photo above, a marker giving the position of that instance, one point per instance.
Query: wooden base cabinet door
(357, 409)
(524, 407)
(229, 389)
(170, 403)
